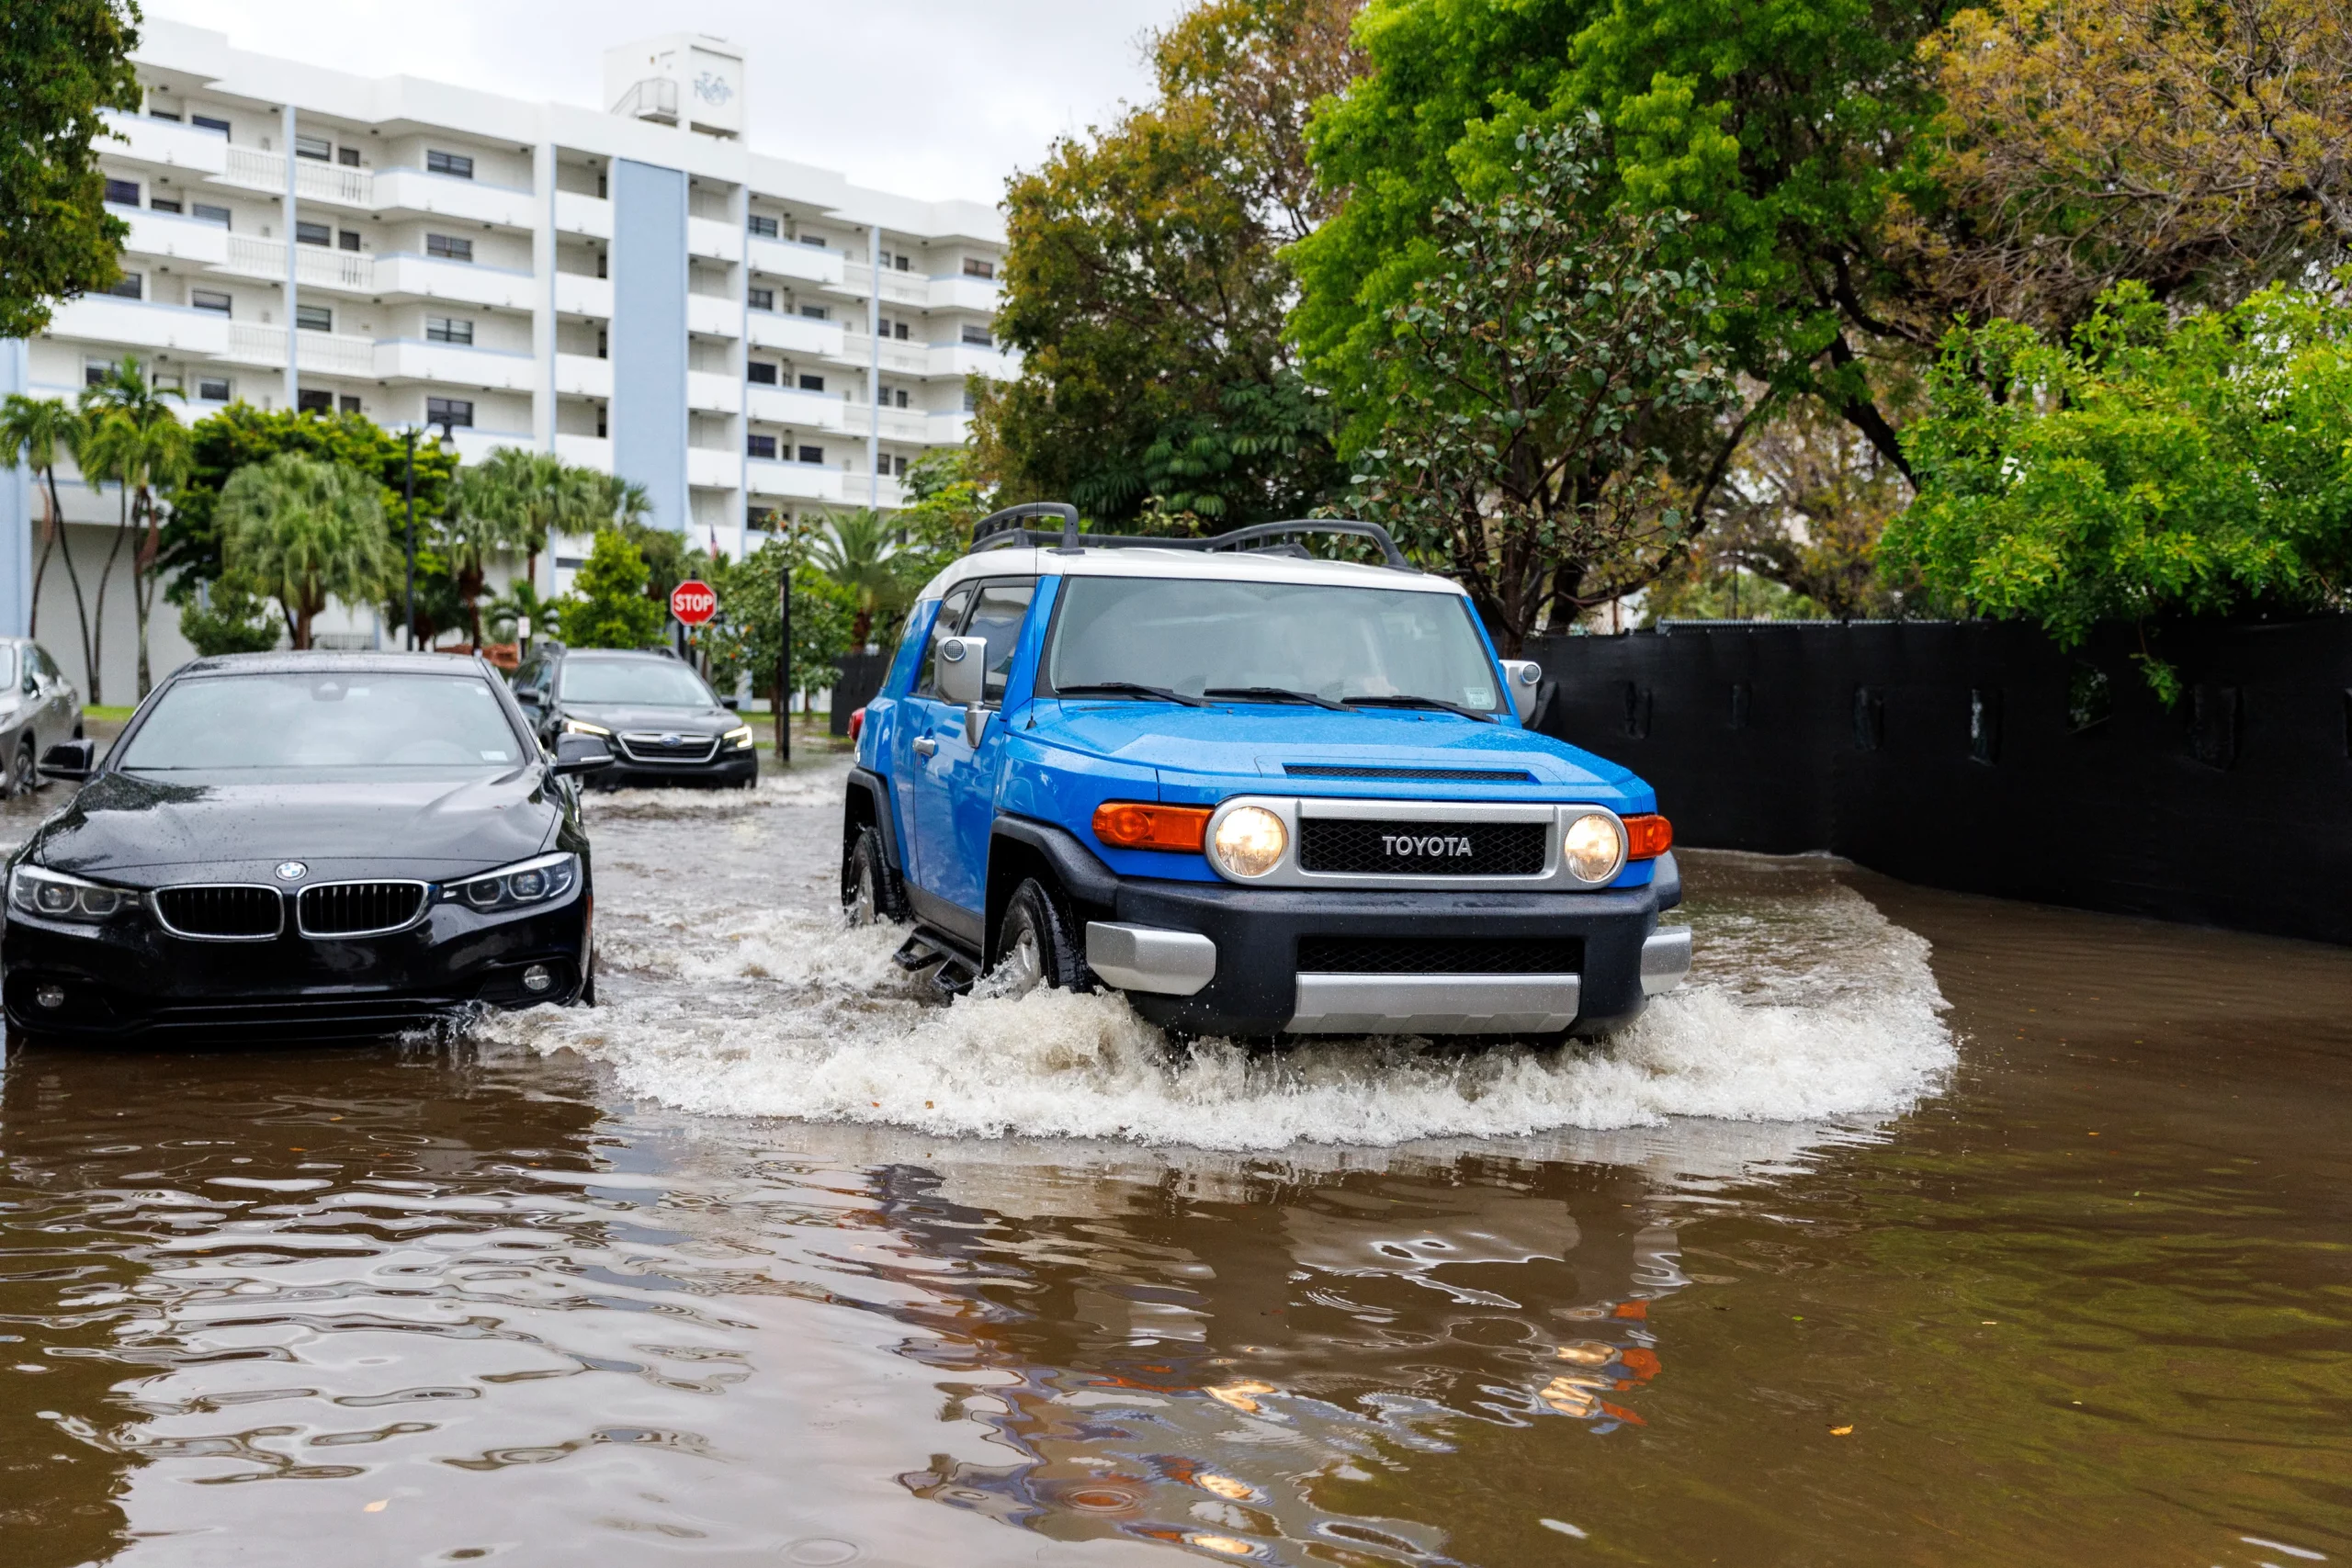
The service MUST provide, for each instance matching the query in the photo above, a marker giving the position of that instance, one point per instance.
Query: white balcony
(586, 451)
(255, 170)
(710, 315)
(576, 294)
(163, 143)
(804, 411)
(580, 376)
(189, 240)
(714, 241)
(474, 446)
(135, 323)
(786, 258)
(708, 468)
(316, 267)
(579, 214)
(793, 481)
(981, 294)
(446, 196)
(710, 393)
(897, 288)
(486, 369)
(461, 283)
(904, 358)
(961, 359)
(323, 353)
(949, 429)
(793, 334)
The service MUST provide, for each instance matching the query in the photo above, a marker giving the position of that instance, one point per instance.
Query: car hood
(659, 721)
(1206, 749)
(239, 825)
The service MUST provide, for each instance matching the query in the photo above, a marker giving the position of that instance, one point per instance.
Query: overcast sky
(928, 98)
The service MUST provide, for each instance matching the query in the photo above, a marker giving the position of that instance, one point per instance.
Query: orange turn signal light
(1648, 836)
(1131, 825)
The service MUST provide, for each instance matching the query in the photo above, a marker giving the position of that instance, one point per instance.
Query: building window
(350, 404)
(903, 467)
(449, 247)
(811, 383)
(760, 519)
(457, 412)
(205, 212)
(314, 317)
(900, 331)
(760, 299)
(903, 397)
(977, 337)
(975, 267)
(130, 285)
(310, 400)
(347, 238)
(448, 329)
(314, 233)
(123, 193)
(760, 446)
(96, 372)
(456, 165)
(760, 373)
(163, 204)
(818, 241)
(317, 147)
(971, 403)
(208, 300)
(347, 156)
(212, 389)
(816, 312)
(208, 122)
(812, 453)
(765, 228)
(154, 112)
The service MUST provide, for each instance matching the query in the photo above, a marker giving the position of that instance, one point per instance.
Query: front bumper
(1164, 937)
(131, 978)
(727, 768)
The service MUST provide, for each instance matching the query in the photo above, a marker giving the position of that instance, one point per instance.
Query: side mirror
(733, 704)
(582, 754)
(72, 760)
(1524, 677)
(963, 664)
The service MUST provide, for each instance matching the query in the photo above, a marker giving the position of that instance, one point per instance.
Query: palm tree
(308, 531)
(134, 440)
(34, 432)
(857, 553)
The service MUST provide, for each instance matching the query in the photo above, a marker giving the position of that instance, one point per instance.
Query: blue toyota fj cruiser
(1260, 793)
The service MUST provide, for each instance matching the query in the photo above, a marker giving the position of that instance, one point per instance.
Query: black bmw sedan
(664, 725)
(306, 843)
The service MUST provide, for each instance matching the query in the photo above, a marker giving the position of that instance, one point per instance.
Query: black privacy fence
(862, 676)
(1980, 757)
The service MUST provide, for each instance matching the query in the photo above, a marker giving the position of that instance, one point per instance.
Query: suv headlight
(1594, 847)
(1249, 841)
(516, 886)
(54, 896)
(581, 727)
(739, 736)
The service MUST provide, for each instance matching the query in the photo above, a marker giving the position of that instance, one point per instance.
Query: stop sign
(693, 601)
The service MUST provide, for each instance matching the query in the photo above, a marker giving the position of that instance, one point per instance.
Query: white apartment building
(634, 289)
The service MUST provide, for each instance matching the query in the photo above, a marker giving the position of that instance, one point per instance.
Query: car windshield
(635, 682)
(347, 719)
(1196, 635)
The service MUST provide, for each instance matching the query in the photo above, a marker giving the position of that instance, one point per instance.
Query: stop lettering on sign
(694, 603)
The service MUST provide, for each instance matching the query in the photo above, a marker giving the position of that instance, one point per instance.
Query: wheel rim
(1022, 968)
(862, 897)
(20, 772)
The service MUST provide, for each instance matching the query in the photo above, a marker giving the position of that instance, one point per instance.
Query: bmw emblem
(290, 870)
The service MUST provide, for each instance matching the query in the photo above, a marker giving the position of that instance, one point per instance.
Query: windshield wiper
(1128, 689)
(1274, 695)
(1418, 703)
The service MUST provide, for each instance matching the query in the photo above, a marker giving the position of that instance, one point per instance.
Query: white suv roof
(1244, 566)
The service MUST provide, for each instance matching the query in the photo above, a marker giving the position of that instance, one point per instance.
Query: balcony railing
(316, 267)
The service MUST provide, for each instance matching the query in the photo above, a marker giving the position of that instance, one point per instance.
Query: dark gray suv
(662, 721)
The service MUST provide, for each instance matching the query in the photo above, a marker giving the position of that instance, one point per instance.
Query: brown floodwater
(1918, 1229)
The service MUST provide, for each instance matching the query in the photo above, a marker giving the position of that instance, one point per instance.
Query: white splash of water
(789, 1015)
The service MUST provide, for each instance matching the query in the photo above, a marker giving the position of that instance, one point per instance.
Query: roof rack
(1002, 530)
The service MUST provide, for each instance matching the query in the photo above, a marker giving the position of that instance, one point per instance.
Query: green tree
(2145, 468)
(1144, 284)
(305, 532)
(35, 432)
(855, 550)
(133, 440)
(229, 618)
(64, 61)
(1543, 369)
(608, 606)
(823, 611)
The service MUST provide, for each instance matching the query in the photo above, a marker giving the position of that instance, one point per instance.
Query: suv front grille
(1441, 955)
(224, 912)
(357, 908)
(1421, 849)
(645, 748)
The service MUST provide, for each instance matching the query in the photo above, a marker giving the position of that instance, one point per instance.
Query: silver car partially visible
(39, 708)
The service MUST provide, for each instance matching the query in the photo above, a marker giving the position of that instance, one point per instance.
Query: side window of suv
(950, 622)
(997, 615)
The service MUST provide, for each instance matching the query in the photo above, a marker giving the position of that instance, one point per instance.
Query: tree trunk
(106, 574)
(143, 589)
(49, 530)
(73, 575)
(302, 613)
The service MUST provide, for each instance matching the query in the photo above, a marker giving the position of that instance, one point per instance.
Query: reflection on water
(495, 1300)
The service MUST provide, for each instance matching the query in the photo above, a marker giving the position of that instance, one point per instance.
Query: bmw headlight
(54, 896)
(581, 727)
(516, 886)
(737, 737)
(1249, 841)
(1594, 847)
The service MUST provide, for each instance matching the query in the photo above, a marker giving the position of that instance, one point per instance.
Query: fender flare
(877, 792)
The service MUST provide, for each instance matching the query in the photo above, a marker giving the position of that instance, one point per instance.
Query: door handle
(925, 747)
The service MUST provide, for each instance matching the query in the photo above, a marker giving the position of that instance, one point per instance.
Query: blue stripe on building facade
(15, 508)
(649, 335)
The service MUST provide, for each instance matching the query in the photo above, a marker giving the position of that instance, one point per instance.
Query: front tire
(22, 777)
(870, 893)
(1035, 948)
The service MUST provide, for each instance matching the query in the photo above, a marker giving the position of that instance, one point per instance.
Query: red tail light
(857, 723)
(1648, 836)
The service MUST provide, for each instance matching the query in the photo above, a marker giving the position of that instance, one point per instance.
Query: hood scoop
(1437, 775)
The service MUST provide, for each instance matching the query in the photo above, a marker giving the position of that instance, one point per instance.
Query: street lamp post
(784, 659)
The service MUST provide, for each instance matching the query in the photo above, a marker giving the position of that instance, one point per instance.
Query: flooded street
(1916, 1229)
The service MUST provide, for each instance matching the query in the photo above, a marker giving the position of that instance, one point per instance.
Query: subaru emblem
(672, 740)
(290, 870)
